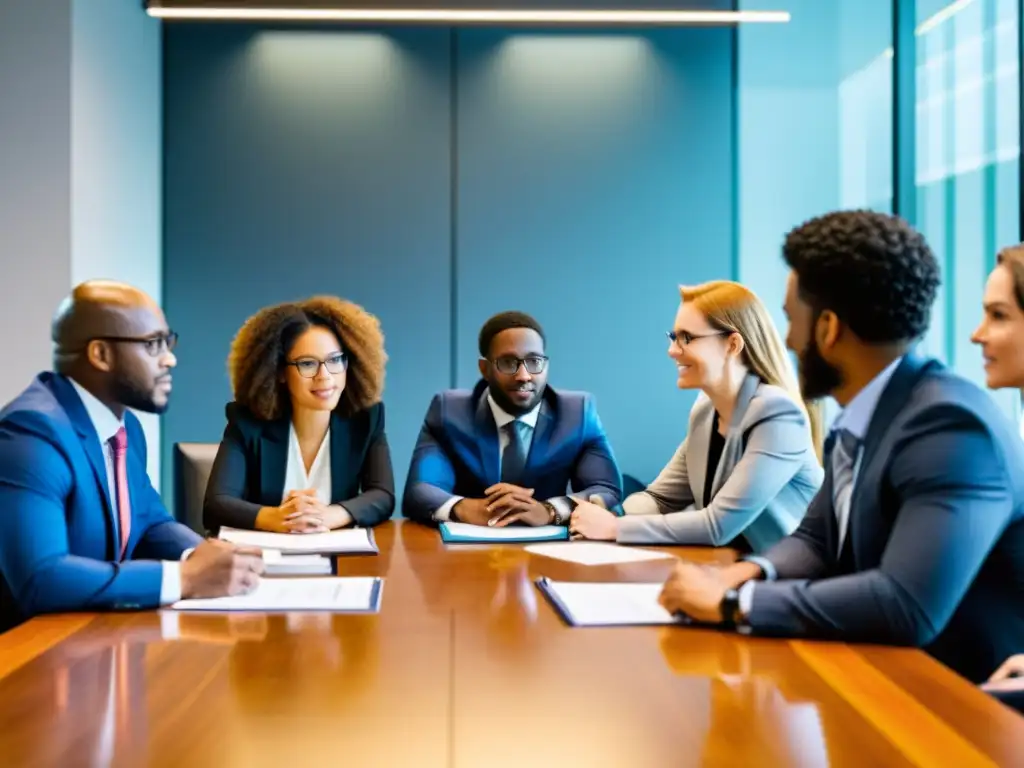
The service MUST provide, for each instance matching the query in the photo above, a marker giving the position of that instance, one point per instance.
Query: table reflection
(753, 719)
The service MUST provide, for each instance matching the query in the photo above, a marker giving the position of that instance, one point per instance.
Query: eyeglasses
(509, 364)
(154, 345)
(309, 367)
(683, 338)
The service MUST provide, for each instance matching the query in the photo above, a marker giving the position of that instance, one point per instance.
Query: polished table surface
(468, 665)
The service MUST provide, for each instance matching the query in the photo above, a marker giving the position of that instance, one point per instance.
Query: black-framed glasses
(683, 338)
(509, 364)
(154, 345)
(309, 367)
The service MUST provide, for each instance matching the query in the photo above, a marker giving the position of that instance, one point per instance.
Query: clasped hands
(302, 512)
(502, 505)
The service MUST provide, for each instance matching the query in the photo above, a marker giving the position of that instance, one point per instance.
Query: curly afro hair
(873, 270)
(260, 349)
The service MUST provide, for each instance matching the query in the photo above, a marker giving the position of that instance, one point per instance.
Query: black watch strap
(731, 608)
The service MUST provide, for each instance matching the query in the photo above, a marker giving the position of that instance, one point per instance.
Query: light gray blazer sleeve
(778, 437)
(670, 491)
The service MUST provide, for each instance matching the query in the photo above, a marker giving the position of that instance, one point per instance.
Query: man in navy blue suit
(508, 451)
(81, 526)
(917, 535)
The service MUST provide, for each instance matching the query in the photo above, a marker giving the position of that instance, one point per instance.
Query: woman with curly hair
(304, 449)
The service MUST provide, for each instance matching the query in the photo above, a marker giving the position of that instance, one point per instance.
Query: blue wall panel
(594, 176)
(302, 162)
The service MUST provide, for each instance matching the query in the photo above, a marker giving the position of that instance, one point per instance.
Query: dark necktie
(513, 458)
(844, 461)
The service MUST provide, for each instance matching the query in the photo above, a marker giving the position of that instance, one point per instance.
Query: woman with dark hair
(304, 449)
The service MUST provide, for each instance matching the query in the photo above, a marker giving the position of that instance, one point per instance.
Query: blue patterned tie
(844, 461)
(513, 458)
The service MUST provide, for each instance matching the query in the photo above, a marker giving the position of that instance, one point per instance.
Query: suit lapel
(890, 402)
(486, 434)
(341, 458)
(538, 443)
(733, 448)
(697, 452)
(79, 417)
(273, 460)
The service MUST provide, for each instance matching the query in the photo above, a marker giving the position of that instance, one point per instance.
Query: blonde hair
(734, 308)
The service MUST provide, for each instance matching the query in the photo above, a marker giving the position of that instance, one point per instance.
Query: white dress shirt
(501, 418)
(319, 476)
(106, 425)
(855, 418)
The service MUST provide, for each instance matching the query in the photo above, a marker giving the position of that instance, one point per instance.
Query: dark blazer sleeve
(805, 553)
(956, 500)
(431, 479)
(596, 472)
(376, 500)
(225, 502)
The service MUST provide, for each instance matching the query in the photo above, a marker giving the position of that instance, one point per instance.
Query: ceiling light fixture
(470, 16)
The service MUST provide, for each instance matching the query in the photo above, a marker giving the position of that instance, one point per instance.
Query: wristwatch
(730, 605)
(552, 512)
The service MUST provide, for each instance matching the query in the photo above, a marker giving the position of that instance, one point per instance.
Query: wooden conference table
(468, 665)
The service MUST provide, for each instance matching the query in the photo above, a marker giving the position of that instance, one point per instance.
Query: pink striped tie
(119, 442)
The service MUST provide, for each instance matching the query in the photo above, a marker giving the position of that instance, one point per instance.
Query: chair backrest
(631, 485)
(192, 465)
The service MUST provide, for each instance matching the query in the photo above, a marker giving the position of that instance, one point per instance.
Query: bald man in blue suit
(81, 526)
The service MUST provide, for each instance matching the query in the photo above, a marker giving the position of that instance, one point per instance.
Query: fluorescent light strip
(939, 17)
(456, 16)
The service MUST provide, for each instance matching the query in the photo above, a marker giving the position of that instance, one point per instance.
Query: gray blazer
(767, 475)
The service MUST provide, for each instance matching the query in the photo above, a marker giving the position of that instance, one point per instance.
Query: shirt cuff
(746, 596)
(640, 503)
(170, 579)
(770, 574)
(170, 583)
(563, 511)
(443, 513)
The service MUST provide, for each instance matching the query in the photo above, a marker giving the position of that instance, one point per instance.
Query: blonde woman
(749, 465)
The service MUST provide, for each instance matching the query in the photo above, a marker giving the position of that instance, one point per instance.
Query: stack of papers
(594, 553)
(464, 533)
(347, 541)
(339, 595)
(277, 564)
(607, 605)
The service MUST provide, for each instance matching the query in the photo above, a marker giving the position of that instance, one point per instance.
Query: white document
(598, 605)
(360, 593)
(468, 532)
(344, 541)
(594, 553)
(277, 564)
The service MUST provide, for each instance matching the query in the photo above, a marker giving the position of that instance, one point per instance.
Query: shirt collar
(856, 416)
(503, 417)
(103, 419)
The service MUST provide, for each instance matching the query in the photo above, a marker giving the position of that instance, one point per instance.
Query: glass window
(968, 155)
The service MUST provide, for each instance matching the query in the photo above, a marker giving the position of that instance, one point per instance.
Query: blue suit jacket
(57, 543)
(457, 452)
(936, 533)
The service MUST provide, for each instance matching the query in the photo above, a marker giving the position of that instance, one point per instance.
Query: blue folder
(454, 538)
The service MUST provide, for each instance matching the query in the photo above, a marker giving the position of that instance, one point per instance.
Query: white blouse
(319, 476)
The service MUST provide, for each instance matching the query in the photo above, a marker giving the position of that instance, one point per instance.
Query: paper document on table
(277, 564)
(594, 553)
(348, 594)
(603, 605)
(466, 533)
(343, 542)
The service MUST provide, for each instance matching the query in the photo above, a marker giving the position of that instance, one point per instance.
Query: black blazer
(248, 472)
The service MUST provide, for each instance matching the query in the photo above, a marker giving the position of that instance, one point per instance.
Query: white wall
(116, 139)
(35, 168)
(80, 167)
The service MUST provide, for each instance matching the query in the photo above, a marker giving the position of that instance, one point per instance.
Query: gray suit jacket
(767, 475)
